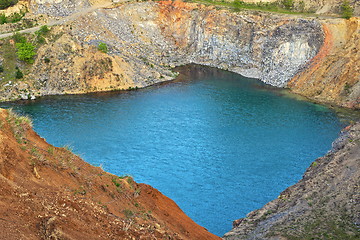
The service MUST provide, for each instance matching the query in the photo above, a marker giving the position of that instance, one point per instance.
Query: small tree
(18, 73)
(25, 51)
(3, 18)
(346, 10)
(103, 47)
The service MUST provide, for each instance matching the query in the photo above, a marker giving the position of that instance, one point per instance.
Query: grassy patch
(8, 52)
(284, 6)
(68, 148)
(19, 124)
(102, 47)
(128, 213)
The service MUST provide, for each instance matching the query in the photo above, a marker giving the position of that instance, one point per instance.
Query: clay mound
(49, 193)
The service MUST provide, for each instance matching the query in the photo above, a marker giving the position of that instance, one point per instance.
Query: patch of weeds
(19, 124)
(268, 212)
(18, 38)
(18, 73)
(33, 150)
(130, 180)
(68, 148)
(123, 176)
(3, 18)
(347, 10)
(50, 150)
(7, 52)
(13, 18)
(281, 6)
(146, 215)
(43, 30)
(117, 184)
(128, 213)
(314, 164)
(347, 88)
(105, 207)
(81, 190)
(102, 47)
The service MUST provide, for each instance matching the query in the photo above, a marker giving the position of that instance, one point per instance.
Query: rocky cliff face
(333, 76)
(50, 193)
(146, 39)
(324, 204)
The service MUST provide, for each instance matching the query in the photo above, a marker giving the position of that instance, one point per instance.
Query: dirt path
(61, 21)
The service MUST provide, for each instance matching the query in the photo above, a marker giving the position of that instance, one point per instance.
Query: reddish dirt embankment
(333, 75)
(50, 193)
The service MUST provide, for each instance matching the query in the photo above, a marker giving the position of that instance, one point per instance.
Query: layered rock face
(333, 76)
(324, 204)
(146, 39)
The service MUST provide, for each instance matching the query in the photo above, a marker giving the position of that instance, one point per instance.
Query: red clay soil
(50, 193)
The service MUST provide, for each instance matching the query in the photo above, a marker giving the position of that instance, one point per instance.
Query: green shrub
(1, 68)
(7, 3)
(40, 39)
(288, 4)
(103, 47)
(346, 10)
(19, 124)
(3, 18)
(25, 51)
(115, 182)
(43, 30)
(18, 73)
(15, 17)
(128, 213)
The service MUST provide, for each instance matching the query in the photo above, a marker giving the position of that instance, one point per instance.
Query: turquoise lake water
(220, 145)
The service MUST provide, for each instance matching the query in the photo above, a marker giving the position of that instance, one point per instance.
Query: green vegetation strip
(285, 6)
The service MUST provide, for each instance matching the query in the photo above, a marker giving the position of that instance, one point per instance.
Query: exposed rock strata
(264, 46)
(333, 76)
(146, 39)
(324, 204)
